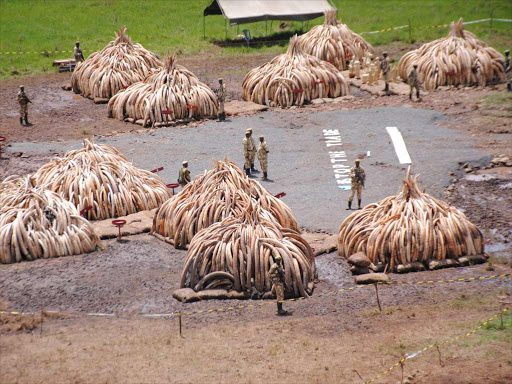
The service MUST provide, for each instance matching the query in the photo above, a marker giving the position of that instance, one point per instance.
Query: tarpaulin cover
(249, 11)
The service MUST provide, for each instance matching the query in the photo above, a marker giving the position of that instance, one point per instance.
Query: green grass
(165, 26)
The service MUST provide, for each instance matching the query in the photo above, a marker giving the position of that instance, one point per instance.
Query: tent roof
(249, 11)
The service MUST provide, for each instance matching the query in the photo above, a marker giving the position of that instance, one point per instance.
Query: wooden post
(377, 293)
(179, 322)
(402, 367)
(439, 353)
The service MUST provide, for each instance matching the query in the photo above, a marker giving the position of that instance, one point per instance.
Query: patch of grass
(165, 26)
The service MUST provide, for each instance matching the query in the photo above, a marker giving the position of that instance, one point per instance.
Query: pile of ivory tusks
(293, 78)
(27, 234)
(459, 58)
(118, 65)
(334, 42)
(220, 193)
(100, 178)
(412, 226)
(172, 88)
(237, 253)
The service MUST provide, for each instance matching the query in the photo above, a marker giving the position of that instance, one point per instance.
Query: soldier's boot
(253, 170)
(248, 171)
(359, 203)
(410, 95)
(222, 116)
(21, 121)
(280, 310)
(386, 88)
(26, 120)
(418, 95)
(264, 176)
(349, 205)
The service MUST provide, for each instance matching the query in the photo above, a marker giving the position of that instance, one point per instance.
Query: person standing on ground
(508, 70)
(276, 275)
(222, 98)
(413, 81)
(23, 101)
(263, 156)
(253, 152)
(184, 175)
(358, 177)
(248, 151)
(385, 67)
(77, 52)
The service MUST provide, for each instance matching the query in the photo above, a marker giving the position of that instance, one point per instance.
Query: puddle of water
(483, 177)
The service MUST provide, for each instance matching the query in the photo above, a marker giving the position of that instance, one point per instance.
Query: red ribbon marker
(173, 186)
(318, 82)
(298, 91)
(451, 73)
(119, 224)
(279, 195)
(166, 114)
(157, 169)
(193, 107)
(88, 208)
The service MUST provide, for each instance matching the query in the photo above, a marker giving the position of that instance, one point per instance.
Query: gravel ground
(299, 162)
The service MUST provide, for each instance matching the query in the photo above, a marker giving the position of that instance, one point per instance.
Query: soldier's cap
(221, 80)
(22, 86)
(507, 52)
(185, 162)
(384, 53)
(77, 42)
(358, 161)
(248, 130)
(415, 65)
(278, 257)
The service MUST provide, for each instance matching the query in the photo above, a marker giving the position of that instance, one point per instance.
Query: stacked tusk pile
(100, 177)
(237, 253)
(37, 223)
(223, 192)
(173, 88)
(120, 64)
(335, 42)
(459, 58)
(293, 78)
(410, 227)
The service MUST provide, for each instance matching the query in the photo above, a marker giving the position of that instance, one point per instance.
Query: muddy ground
(326, 338)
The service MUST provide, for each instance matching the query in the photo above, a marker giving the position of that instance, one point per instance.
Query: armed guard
(23, 101)
(276, 275)
(249, 151)
(221, 93)
(263, 156)
(413, 81)
(357, 177)
(77, 52)
(184, 175)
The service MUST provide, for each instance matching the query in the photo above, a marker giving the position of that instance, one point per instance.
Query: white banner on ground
(399, 144)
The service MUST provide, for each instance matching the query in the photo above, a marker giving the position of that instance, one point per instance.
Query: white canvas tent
(250, 11)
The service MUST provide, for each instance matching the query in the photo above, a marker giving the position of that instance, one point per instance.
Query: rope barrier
(261, 304)
(244, 43)
(452, 340)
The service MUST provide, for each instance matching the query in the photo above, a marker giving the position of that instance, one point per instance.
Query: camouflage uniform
(385, 67)
(249, 151)
(253, 152)
(262, 157)
(358, 177)
(23, 101)
(222, 97)
(77, 52)
(413, 81)
(184, 176)
(276, 275)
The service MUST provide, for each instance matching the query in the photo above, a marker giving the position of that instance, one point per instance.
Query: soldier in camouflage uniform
(263, 156)
(184, 175)
(276, 275)
(413, 81)
(385, 67)
(77, 52)
(249, 150)
(508, 70)
(253, 153)
(358, 178)
(222, 98)
(23, 101)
